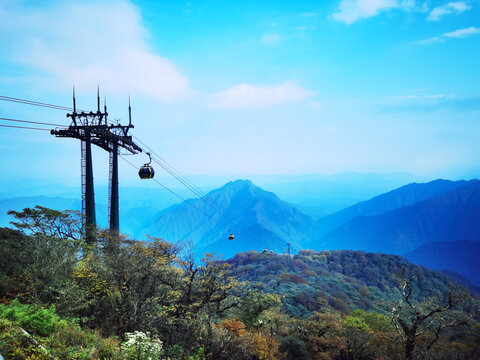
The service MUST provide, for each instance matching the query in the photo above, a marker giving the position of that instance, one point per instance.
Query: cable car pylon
(93, 128)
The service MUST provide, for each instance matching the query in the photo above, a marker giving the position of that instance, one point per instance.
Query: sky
(248, 87)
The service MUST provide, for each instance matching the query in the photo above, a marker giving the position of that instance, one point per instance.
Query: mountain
(459, 256)
(257, 218)
(395, 199)
(451, 216)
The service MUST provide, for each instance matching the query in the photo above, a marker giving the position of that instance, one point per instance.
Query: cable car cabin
(271, 251)
(231, 237)
(264, 251)
(146, 172)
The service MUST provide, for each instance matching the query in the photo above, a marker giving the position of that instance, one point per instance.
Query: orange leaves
(233, 327)
(264, 347)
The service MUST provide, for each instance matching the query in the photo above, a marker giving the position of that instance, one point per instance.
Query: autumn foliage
(120, 298)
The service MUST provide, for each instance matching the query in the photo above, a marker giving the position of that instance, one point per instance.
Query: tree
(203, 294)
(254, 303)
(130, 280)
(50, 248)
(48, 222)
(425, 320)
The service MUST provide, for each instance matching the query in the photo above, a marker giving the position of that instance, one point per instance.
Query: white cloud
(352, 10)
(86, 44)
(271, 38)
(449, 8)
(460, 33)
(246, 96)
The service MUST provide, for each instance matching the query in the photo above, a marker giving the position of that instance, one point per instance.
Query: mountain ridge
(451, 216)
(400, 197)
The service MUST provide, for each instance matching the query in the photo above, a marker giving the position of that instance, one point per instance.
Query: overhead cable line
(173, 192)
(180, 178)
(192, 205)
(34, 103)
(189, 185)
(170, 166)
(30, 122)
(195, 190)
(23, 127)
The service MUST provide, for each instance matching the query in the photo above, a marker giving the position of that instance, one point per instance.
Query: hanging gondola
(146, 171)
(231, 237)
(264, 251)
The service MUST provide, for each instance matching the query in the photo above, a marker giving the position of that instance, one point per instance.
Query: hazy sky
(249, 87)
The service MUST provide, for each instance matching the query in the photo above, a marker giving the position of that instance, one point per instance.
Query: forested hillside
(341, 280)
(117, 298)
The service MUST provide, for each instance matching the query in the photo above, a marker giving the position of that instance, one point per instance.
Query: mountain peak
(258, 218)
(240, 183)
(241, 187)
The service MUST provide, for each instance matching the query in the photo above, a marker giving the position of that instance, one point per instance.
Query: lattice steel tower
(93, 128)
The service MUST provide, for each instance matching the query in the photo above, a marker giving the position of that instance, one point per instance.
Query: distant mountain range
(395, 199)
(436, 224)
(451, 215)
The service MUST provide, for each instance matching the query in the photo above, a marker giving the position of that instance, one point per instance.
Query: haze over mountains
(436, 224)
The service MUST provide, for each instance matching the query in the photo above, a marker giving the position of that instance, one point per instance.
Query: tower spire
(74, 102)
(98, 98)
(129, 112)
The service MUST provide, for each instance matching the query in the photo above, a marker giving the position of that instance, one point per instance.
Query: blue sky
(241, 88)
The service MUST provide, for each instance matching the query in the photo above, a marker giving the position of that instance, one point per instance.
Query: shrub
(37, 320)
(15, 344)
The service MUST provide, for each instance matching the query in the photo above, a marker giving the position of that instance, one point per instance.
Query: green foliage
(40, 255)
(374, 321)
(199, 355)
(15, 344)
(353, 323)
(48, 336)
(37, 320)
(254, 305)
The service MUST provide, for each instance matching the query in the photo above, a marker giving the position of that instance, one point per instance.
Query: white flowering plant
(142, 346)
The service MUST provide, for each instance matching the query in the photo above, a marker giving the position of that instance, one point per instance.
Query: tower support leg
(90, 218)
(114, 217)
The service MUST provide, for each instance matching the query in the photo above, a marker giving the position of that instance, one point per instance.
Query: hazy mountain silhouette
(451, 216)
(257, 218)
(395, 199)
